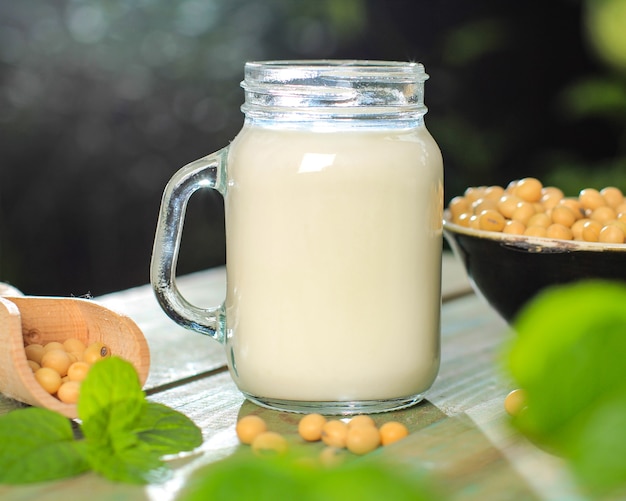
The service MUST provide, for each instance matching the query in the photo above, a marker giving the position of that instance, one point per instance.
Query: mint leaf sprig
(124, 436)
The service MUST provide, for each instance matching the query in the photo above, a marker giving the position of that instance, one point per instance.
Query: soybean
(334, 433)
(515, 402)
(249, 428)
(392, 431)
(310, 427)
(362, 439)
(269, 443)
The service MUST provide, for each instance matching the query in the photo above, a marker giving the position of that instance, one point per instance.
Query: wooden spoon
(33, 319)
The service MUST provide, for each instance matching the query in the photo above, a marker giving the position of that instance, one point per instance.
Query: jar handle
(206, 172)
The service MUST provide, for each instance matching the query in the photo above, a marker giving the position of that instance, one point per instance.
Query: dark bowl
(509, 270)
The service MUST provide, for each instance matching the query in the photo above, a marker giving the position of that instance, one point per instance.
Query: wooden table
(460, 433)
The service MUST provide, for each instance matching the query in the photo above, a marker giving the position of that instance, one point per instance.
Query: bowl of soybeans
(515, 241)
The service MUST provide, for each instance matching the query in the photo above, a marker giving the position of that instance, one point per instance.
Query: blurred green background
(102, 101)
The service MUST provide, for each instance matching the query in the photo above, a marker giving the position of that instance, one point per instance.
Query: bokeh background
(101, 101)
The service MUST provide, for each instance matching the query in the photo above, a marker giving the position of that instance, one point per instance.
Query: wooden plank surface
(459, 434)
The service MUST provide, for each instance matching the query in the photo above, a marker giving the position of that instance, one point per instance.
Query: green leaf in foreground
(569, 355)
(277, 478)
(38, 445)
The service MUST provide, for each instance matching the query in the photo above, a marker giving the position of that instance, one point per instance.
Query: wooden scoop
(33, 319)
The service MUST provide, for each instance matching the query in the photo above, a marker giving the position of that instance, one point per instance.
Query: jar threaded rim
(341, 88)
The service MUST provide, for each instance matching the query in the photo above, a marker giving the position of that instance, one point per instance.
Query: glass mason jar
(333, 197)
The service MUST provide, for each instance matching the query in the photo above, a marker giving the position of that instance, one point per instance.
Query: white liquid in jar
(334, 263)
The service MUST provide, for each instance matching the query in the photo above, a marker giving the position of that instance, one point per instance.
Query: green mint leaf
(38, 445)
(167, 431)
(125, 434)
(110, 399)
(568, 354)
(133, 464)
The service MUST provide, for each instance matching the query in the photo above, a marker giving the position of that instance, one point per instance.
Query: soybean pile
(359, 435)
(526, 207)
(60, 367)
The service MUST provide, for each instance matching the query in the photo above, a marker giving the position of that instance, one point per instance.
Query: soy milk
(333, 198)
(333, 263)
